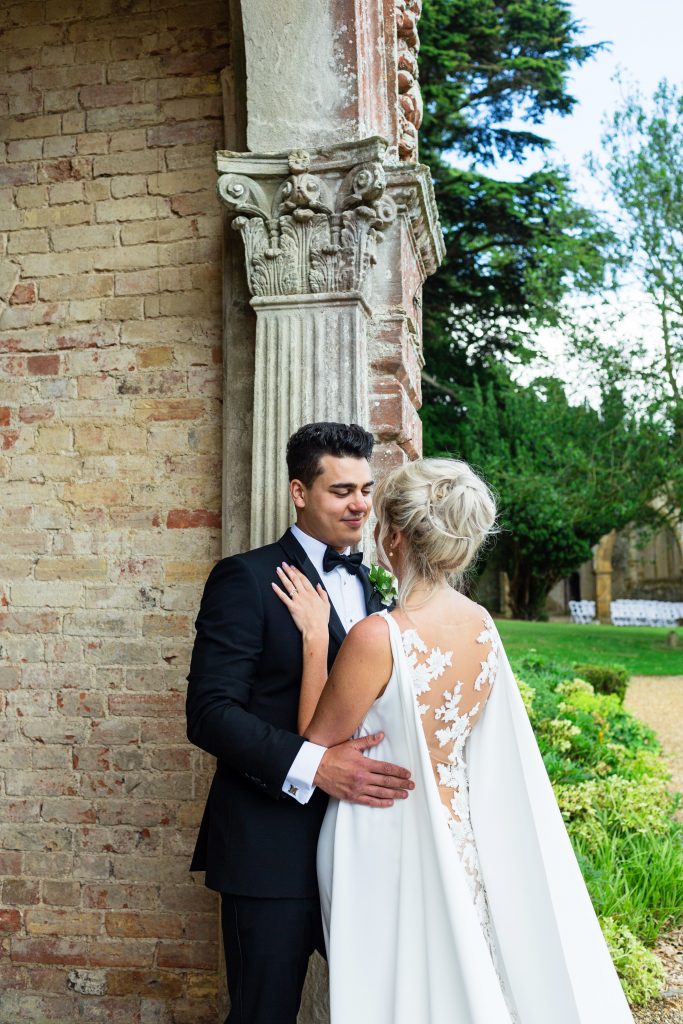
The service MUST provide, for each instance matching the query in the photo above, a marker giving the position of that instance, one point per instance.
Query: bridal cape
(405, 943)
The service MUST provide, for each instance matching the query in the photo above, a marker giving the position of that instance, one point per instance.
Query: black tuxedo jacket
(242, 703)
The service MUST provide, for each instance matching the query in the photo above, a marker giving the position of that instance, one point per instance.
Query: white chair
(582, 612)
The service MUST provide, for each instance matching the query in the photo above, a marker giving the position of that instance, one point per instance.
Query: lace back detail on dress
(449, 710)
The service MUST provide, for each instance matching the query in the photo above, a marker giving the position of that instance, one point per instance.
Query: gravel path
(658, 700)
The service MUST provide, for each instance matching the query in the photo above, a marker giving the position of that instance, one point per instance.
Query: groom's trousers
(267, 945)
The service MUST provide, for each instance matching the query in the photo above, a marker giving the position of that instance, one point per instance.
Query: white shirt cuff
(299, 781)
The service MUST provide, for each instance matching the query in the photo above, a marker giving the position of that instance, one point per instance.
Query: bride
(464, 902)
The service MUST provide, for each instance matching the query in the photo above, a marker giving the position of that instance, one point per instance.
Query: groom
(257, 840)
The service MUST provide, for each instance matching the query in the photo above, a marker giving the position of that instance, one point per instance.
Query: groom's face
(335, 508)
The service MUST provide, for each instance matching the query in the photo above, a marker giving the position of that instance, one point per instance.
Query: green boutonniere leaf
(384, 582)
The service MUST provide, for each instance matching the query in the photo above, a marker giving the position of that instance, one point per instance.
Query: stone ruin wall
(113, 277)
(110, 417)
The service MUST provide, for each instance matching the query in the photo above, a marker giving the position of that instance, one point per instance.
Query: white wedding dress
(464, 903)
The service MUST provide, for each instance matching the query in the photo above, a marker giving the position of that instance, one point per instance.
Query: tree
(642, 168)
(565, 475)
(514, 248)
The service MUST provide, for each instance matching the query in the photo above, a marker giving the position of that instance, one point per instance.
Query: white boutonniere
(384, 582)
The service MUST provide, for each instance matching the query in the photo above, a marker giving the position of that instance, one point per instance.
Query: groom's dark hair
(306, 447)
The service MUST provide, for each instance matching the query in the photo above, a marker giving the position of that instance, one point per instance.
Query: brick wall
(110, 437)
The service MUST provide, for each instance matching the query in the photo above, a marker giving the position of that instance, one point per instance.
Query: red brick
(149, 984)
(66, 169)
(199, 955)
(197, 63)
(11, 862)
(23, 294)
(68, 811)
(36, 413)
(61, 894)
(43, 365)
(115, 953)
(186, 132)
(185, 518)
(48, 921)
(70, 952)
(8, 439)
(109, 95)
(30, 622)
(20, 892)
(18, 174)
(21, 811)
(122, 897)
(13, 978)
(10, 921)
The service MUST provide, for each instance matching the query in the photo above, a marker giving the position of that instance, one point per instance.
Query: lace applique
(423, 672)
(457, 721)
(489, 667)
(447, 727)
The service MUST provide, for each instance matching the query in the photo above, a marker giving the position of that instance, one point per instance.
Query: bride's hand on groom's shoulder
(309, 606)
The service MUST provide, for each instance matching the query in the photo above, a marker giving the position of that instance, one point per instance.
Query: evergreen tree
(514, 249)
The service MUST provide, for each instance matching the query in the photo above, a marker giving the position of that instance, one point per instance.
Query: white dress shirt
(346, 594)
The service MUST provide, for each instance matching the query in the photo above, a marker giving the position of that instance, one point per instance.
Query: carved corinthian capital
(309, 226)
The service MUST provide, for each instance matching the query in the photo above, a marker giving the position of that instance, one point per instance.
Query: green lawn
(642, 650)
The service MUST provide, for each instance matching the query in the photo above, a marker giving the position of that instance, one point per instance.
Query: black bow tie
(332, 558)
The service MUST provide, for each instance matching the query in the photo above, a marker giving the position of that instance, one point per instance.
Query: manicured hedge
(611, 784)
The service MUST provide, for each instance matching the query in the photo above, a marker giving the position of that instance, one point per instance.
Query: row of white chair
(625, 612)
(646, 613)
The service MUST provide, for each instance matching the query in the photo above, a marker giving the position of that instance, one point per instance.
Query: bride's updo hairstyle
(445, 512)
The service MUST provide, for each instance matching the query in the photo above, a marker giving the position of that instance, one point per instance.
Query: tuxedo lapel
(296, 554)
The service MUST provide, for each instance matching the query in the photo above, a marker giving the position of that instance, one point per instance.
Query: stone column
(310, 224)
(339, 80)
(329, 105)
(602, 567)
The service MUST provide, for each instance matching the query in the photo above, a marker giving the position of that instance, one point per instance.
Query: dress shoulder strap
(394, 628)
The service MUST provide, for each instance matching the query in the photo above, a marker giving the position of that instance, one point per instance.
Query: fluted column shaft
(311, 365)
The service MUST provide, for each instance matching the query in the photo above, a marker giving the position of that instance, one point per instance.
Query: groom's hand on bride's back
(345, 774)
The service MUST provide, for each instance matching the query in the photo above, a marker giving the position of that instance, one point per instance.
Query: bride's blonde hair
(445, 512)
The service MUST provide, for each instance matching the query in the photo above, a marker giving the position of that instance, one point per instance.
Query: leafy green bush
(641, 973)
(613, 806)
(610, 781)
(605, 678)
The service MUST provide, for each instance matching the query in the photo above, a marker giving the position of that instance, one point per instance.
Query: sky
(645, 42)
(644, 38)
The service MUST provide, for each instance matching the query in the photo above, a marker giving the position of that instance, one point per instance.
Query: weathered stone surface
(309, 224)
(109, 331)
(114, 389)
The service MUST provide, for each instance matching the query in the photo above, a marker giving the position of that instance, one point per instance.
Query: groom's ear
(297, 492)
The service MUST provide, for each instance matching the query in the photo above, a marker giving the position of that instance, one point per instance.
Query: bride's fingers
(292, 591)
(298, 579)
(285, 580)
(281, 594)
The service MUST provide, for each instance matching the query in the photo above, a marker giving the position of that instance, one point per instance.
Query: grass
(636, 879)
(642, 650)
